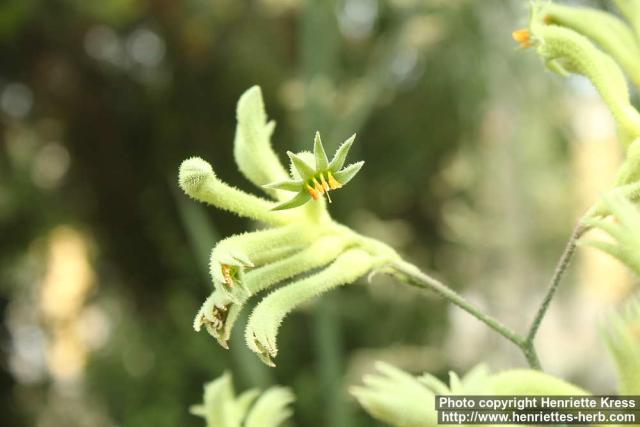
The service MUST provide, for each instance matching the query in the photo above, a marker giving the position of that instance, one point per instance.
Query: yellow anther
(313, 192)
(324, 184)
(317, 186)
(333, 183)
(522, 36)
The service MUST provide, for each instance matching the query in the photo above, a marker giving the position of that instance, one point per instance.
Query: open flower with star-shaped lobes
(311, 182)
(301, 247)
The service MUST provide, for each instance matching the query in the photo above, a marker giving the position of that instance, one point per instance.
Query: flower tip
(193, 172)
(523, 37)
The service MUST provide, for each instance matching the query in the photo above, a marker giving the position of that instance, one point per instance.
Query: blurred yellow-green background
(478, 162)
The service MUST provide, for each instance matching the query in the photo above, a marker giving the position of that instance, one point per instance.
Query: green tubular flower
(311, 182)
(625, 233)
(219, 312)
(216, 313)
(622, 336)
(566, 51)
(233, 255)
(252, 145)
(221, 407)
(609, 31)
(631, 10)
(197, 179)
(263, 325)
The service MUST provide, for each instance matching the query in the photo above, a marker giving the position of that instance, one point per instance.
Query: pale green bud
(197, 179)
(252, 145)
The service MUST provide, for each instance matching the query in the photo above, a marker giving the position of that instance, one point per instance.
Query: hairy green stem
(412, 275)
(561, 268)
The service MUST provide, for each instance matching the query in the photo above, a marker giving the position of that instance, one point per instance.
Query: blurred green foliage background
(103, 263)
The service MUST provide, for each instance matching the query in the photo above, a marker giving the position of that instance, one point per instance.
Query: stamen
(333, 183)
(324, 184)
(226, 273)
(317, 186)
(522, 36)
(313, 192)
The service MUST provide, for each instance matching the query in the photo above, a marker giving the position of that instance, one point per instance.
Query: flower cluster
(301, 245)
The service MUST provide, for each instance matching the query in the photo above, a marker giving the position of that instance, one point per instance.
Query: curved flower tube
(567, 51)
(262, 329)
(219, 312)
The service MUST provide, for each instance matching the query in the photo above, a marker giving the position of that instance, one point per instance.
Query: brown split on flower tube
(226, 273)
